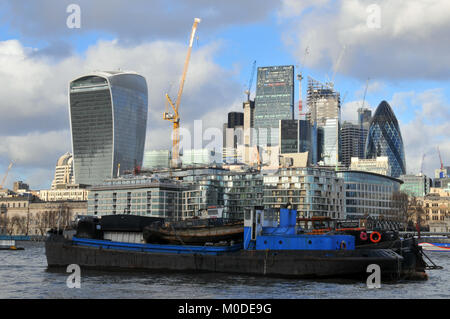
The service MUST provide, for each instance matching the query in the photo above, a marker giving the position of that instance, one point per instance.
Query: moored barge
(271, 246)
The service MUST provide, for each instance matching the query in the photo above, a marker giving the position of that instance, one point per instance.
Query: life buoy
(363, 235)
(377, 239)
(343, 245)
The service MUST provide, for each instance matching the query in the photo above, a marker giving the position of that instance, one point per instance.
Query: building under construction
(324, 113)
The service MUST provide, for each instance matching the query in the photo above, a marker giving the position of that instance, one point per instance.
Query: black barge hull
(299, 264)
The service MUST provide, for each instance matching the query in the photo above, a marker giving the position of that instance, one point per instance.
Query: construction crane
(175, 116)
(250, 82)
(336, 68)
(6, 174)
(422, 163)
(440, 159)
(300, 78)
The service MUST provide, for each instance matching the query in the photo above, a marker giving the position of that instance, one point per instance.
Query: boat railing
(210, 222)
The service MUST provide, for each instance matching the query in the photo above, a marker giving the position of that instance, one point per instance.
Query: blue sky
(407, 64)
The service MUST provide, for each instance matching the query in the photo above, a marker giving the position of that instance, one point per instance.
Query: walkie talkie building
(108, 117)
(384, 139)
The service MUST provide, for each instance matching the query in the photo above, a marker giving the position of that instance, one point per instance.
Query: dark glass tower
(108, 117)
(274, 101)
(351, 140)
(384, 139)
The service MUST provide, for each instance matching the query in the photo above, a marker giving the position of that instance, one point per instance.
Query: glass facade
(369, 194)
(351, 141)
(108, 114)
(415, 185)
(384, 139)
(289, 136)
(311, 191)
(274, 101)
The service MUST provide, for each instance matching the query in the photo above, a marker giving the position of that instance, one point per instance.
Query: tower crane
(6, 174)
(336, 68)
(250, 82)
(300, 78)
(175, 116)
(440, 159)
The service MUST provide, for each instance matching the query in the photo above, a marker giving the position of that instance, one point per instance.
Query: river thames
(24, 274)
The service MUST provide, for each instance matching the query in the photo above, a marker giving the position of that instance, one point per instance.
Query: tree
(401, 205)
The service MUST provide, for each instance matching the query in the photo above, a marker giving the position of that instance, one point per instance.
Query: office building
(385, 139)
(200, 157)
(233, 136)
(364, 118)
(331, 142)
(63, 172)
(249, 110)
(20, 187)
(108, 114)
(379, 165)
(442, 172)
(274, 101)
(350, 142)
(415, 185)
(156, 159)
(289, 134)
(324, 105)
(370, 195)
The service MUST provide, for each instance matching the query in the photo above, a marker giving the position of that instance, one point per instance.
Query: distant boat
(9, 244)
(435, 246)
(194, 231)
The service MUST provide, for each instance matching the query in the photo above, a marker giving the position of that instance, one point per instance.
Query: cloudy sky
(401, 46)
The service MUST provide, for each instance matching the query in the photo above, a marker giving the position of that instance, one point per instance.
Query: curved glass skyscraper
(384, 139)
(108, 117)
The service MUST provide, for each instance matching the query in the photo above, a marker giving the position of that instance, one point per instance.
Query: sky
(399, 48)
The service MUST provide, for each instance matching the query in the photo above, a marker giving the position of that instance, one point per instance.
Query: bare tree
(401, 205)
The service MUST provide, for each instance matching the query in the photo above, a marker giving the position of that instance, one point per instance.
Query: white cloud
(412, 41)
(428, 129)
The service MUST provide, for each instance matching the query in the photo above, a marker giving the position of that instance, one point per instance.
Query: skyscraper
(324, 114)
(289, 136)
(274, 101)
(364, 117)
(108, 116)
(232, 137)
(351, 141)
(384, 139)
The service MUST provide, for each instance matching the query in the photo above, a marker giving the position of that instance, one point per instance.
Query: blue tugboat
(271, 246)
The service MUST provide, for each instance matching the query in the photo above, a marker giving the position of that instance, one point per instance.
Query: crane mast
(175, 117)
(6, 175)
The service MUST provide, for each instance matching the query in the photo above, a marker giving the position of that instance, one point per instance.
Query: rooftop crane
(6, 174)
(336, 68)
(300, 78)
(250, 82)
(175, 116)
(440, 159)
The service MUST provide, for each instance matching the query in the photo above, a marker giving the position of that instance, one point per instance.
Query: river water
(24, 274)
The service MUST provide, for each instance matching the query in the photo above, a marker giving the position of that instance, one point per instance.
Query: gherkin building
(384, 139)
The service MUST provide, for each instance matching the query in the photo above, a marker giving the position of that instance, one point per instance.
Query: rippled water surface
(24, 274)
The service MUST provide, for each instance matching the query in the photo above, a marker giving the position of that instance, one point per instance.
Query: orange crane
(175, 116)
(6, 175)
